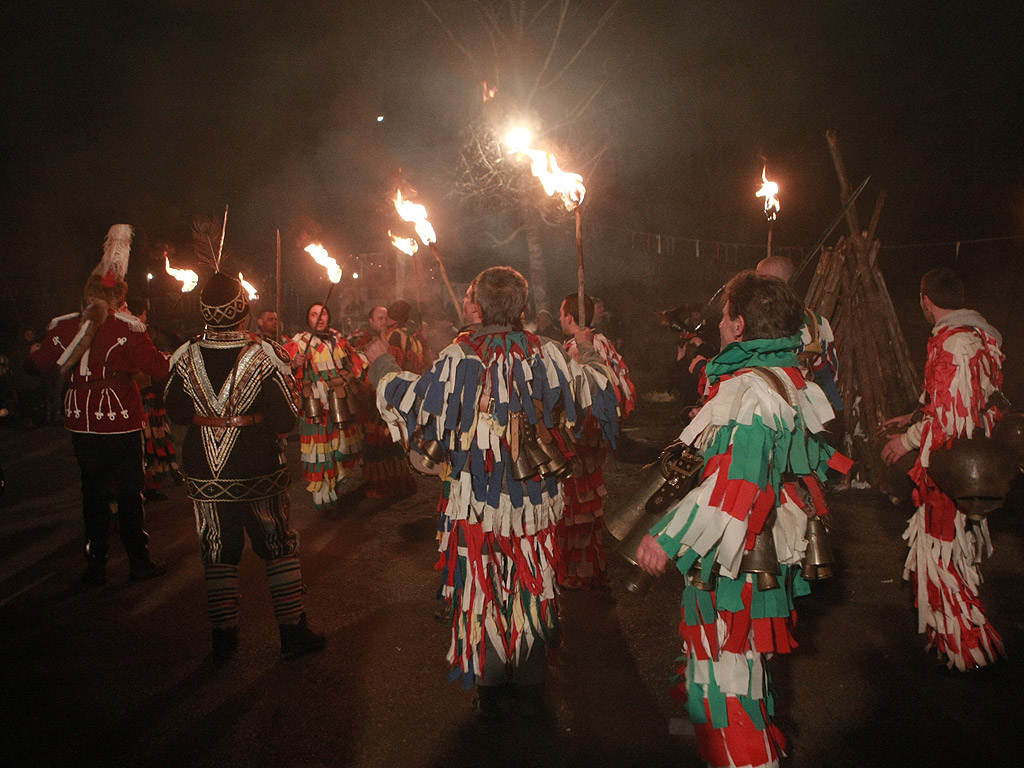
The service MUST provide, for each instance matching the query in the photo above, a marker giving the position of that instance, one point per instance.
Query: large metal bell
(338, 409)
(762, 560)
(818, 560)
(311, 405)
(531, 457)
(977, 474)
(556, 465)
(426, 456)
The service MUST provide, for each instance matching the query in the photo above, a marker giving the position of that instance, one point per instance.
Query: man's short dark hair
(265, 312)
(399, 311)
(138, 306)
(572, 307)
(326, 311)
(769, 308)
(501, 293)
(944, 287)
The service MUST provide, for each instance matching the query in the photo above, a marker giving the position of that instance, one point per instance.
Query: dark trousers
(528, 672)
(112, 464)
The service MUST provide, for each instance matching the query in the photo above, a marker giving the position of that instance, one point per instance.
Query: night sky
(149, 114)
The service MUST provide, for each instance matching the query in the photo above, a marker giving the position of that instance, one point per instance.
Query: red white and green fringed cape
(963, 369)
(498, 542)
(757, 448)
(581, 529)
(329, 453)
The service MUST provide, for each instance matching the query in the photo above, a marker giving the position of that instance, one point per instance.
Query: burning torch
(417, 214)
(769, 191)
(334, 272)
(567, 186)
(409, 247)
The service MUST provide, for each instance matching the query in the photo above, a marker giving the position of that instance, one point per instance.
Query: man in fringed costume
(237, 394)
(581, 528)
(385, 467)
(406, 346)
(962, 372)
(161, 458)
(761, 433)
(482, 399)
(323, 360)
(98, 350)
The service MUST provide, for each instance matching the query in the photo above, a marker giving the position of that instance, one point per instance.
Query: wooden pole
(447, 282)
(278, 310)
(770, 228)
(581, 295)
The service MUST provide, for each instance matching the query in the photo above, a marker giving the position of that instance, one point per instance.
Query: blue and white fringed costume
(499, 547)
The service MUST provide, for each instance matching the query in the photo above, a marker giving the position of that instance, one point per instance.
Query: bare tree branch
(551, 50)
(593, 33)
(496, 243)
(451, 36)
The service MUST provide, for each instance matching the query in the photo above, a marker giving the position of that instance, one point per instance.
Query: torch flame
(417, 214)
(253, 293)
(769, 191)
(189, 279)
(568, 186)
(319, 254)
(406, 245)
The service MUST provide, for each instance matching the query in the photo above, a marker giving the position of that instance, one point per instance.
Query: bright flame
(253, 293)
(769, 191)
(568, 186)
(189, 279)
(319, 254)
(406, 245)
(417, 214)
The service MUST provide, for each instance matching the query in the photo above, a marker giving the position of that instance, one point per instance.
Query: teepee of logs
(876, 377)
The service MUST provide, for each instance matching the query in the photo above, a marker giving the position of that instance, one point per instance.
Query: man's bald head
(776, 266)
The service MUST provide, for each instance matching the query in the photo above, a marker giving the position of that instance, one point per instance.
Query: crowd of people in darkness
(512, 421)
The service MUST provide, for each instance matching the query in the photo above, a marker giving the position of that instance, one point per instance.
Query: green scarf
(756, 353)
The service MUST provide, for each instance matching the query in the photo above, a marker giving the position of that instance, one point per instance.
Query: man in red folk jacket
(97, 351)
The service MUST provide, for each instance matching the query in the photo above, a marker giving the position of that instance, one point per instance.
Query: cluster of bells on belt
(339, 404)
(537, 452)
(763, 562)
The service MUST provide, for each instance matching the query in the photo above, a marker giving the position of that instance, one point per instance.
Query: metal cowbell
(818, 561)
(763, 560)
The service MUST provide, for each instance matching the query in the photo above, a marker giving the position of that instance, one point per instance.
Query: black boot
(493, 702)
(225, 643)
(95, 574)
(298, 638)
(143, 568)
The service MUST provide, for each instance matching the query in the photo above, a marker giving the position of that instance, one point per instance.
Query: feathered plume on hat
(224, 302)
(105, 291)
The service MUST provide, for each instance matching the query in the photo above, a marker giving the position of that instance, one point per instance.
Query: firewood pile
(876, 377)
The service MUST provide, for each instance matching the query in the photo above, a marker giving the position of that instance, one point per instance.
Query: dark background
(149, 114)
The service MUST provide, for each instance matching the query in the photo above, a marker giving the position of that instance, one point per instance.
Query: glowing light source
(568, 186)
(188, 279)
(769, 191)
(319, 254)
(249, 287)
(406, 245)
(417, 214)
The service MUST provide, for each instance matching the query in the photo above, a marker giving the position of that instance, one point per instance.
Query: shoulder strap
(775, 381)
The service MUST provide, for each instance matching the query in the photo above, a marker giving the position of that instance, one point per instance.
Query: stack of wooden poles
(876, 377)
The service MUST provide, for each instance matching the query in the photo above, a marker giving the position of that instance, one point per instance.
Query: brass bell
(531, 457)
(762, 560)
(818, 561)
(337, 406)
(426, 456)
(695, 577)
(556, 464)
(311, 405)
(977, 474)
